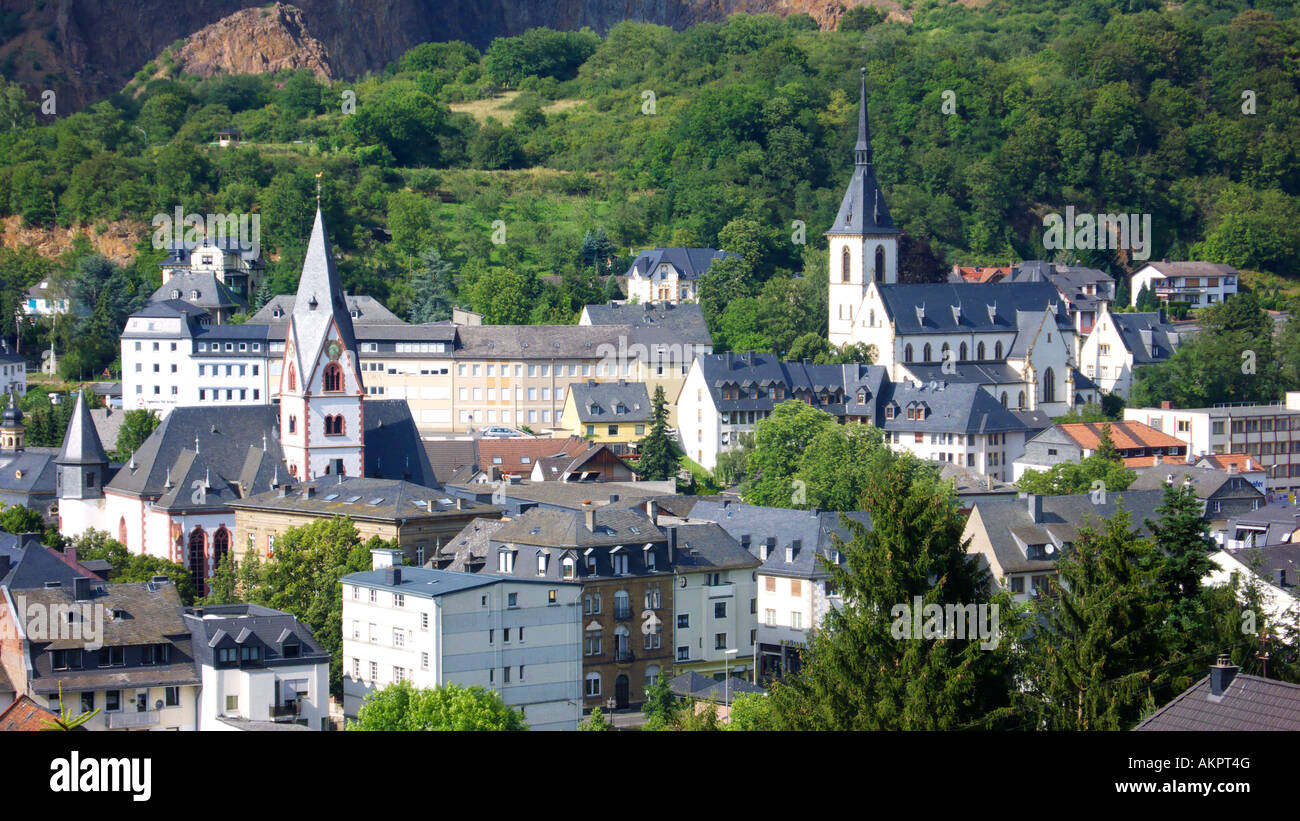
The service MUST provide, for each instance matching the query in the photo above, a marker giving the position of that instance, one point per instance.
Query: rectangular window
(424, 621)
(796, 587)
(171, 696)
(720, 641)
(796, 619)
(424, 661)
(769, 584)
(232, 704)
(720, 610)
(113, 698)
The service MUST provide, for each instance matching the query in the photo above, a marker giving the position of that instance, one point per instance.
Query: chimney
(1035, 503)
(613, 497)
(589, 515)
(652, 510)
(81, 589)
(1166, 404)
(384, 557)
(672, 541)
(1221, 675)
(393, 575)
(69, 555)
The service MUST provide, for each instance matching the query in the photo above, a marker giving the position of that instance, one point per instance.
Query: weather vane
(318, 173)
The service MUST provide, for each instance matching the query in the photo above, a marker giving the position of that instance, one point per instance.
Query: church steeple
(862, 151)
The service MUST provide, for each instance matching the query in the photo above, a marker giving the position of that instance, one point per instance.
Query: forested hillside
(728, 135)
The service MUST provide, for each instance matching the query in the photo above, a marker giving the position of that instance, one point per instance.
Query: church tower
(321, 392)
(863, 240)
(12, 429)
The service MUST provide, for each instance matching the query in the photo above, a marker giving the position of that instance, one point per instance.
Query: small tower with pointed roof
(321, 391)
(12, 429)
(82, 462)
(863, 240)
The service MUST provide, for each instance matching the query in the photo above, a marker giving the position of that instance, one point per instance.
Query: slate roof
(211, 625)
(30, 471)
(863, 209)
(983, 307)
(1266, 562)
(393, 446)
(979, 373)
(952, 408)
(108, 423)
(1011, 527)
(370, 311)
(423, 581)
(319, 303)
(152, 615)
(1274, 521)
(179, 253)
(213, 294)
(611, 402)
(31, 564)
(1146, 336)
(683, 324)
(550, 527)
(691, 263)
(752, 525)
(1193, 268)
(1206, 481)
(170, 309)
(707, 547)
(81, 445)
(447, 456)
(1249, 703)
(762, 371)
(704, 688)
(362, 498)
(469, 547)
(564, 495)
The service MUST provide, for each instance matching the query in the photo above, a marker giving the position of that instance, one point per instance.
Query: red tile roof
(1237, 460)
(1126, 435)
(978, 273)
(25, 715)
(513, 451)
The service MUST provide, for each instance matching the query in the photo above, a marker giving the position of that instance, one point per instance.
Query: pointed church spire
(862, 151)
(320, 296)
(81, 445)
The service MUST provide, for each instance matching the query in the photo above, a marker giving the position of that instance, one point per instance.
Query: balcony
(623, 655)
(284, 712)
(126, 721)
(720, 591)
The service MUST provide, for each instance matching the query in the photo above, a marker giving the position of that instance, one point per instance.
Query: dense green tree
(658, 452)
(403, 706)
(779, 444)
(596, 722)
(126, 567)
(137, 425)
(431, 289)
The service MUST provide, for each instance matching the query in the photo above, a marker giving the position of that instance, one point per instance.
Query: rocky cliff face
(253, 41)
(87, 49)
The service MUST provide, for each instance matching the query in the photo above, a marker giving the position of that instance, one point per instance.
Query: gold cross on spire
(318, 173)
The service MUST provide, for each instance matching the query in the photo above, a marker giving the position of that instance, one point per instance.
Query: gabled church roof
(81, 445)
(863, 209)
(983, 307)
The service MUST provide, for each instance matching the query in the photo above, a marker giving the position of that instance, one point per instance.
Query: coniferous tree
(865, 669)
(658, 453)
(431, 282)
(1098, 641)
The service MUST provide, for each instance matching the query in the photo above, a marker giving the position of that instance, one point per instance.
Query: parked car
(498, 432)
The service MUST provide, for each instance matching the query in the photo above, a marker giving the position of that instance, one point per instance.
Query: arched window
(1049, 386)
(293, 378)
(926, 351)
(568, 566)
(198, 560)
(334, 425)
(333, 379)
(943, 352)
(121, 530)
(845, 265)
(979, 352)
(220, 545)
(1021, 405)
(880, 263)
(961, 357)
(997, 350)
(1004, 399)
(907, 354)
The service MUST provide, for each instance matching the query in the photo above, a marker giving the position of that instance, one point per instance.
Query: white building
(1197, 283)
(46, 299)
(1120, 343)
(258, 667)
(1268, 433)
(670, 275)
(715, 602)
(520, 638)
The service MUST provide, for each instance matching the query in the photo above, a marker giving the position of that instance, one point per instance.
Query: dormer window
(250, 653)
(176, 294)
(291, 650)
(194, 294)
(789, 555)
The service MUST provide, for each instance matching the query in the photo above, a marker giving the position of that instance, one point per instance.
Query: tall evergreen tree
(865, 669)
(431, 282)
(658, 453)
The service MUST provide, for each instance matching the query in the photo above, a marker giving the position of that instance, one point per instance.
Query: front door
(621, 691)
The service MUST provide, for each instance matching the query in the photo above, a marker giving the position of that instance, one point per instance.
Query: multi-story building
(715, 602)
(122, 649)
(1137, 444)
(1085, 290)
(1223, 493)
(13, 372)
(455, 378)
(611, 413)
(215, 274)
(1268, 433)
(45, 298)
(670, 275)
(420, 519)
(794, 589)
(258, 668)
(1120, 343)
(625, 565)
(520, 637)
(725, 395)
(1195, 283)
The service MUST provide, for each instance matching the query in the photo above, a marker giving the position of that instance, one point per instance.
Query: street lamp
(726, 678)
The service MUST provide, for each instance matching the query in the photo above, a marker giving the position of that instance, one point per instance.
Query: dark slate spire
(320, 295)
(863, 209)
(81, 445)
(862, 151)
(13, 417)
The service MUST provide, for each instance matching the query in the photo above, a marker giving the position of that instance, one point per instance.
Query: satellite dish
(1050, 549)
